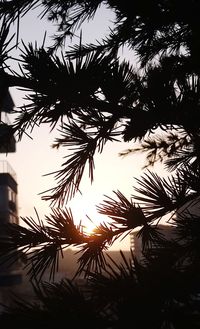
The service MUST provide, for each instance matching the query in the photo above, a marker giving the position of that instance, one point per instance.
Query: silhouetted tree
(95, 97)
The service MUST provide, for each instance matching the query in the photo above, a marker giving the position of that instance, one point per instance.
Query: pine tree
(155, 105)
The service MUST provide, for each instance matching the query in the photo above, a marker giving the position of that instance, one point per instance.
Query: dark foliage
(92, 96)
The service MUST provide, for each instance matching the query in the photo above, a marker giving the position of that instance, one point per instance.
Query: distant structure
(8, 194)
(8, 143)
(168, 232)
(8, 214)
(10, 276)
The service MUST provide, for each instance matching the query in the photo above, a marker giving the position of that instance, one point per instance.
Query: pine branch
(151, 236)
(54, 303)
(159, 196)
(69, 177)
(122, 211)
(42, 244)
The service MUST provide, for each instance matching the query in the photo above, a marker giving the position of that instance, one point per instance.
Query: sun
(88, 227)
(86, 215)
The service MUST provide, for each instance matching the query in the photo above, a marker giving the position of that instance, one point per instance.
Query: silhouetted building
(168, 232)
(8, 194)
(7, 140)
(10, 276)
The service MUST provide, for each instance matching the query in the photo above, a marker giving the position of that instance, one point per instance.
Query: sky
(34, 157)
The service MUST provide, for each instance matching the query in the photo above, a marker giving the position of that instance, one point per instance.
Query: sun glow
(86, 215)
(89, 227)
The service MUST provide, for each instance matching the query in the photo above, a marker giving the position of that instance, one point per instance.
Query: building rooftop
(5, 168)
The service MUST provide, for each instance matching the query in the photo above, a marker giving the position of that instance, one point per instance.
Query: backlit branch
(42, 245)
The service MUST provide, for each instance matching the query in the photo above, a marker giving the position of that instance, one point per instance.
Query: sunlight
(84, 212)
(89, 226)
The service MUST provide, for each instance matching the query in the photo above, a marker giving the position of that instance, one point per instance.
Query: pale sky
(35, 157)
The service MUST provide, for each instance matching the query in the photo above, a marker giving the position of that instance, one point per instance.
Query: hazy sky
(35, 157)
